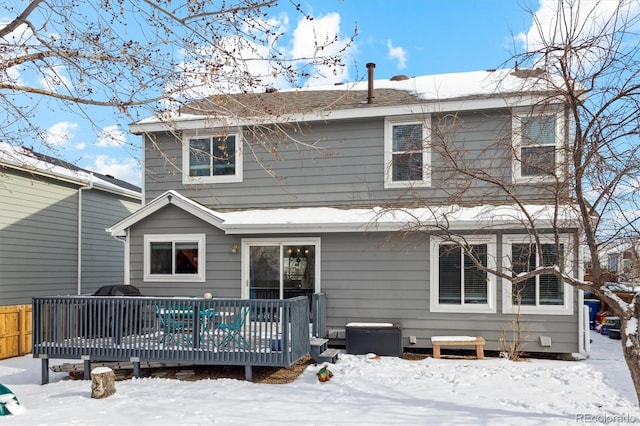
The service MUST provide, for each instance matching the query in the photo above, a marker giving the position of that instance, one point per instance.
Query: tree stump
(103, 382)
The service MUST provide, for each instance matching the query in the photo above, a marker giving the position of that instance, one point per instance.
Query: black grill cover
(118, 290)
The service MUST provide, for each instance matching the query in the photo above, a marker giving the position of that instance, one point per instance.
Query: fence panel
(15, 330)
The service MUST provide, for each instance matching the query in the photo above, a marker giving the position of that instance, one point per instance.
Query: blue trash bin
(594, 307)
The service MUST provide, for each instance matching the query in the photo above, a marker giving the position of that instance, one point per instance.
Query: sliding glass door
(280, 269)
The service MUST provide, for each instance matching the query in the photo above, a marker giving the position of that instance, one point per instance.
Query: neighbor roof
(33, 162)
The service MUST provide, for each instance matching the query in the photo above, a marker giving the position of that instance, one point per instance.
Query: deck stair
(321, 353)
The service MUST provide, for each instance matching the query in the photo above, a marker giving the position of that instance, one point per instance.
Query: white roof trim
(188, 121)
(376, 219)
(169, 197)
(326, 219)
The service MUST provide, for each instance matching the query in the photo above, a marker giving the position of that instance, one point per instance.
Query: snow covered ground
(363, 390)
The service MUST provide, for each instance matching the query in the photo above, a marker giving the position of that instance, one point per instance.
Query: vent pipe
(370, 97)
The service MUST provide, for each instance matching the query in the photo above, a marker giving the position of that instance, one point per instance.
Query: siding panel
(38, 237)
(347, 168)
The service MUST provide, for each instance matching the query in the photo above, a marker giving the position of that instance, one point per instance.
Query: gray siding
(223, 267)
(380, 278)
(102, 255)
(349, 167)
(368, 277)
(38, 237)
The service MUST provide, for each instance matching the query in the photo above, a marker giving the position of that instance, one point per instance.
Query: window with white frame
(174, 257)
(407, 153)
(212, 159)
(459, 278)
(544, 293)
(537, 139)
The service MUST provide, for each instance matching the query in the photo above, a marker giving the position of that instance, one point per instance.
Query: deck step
(319, 341)
(318, 345)
(329, 355)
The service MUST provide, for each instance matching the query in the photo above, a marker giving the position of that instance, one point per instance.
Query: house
(623, 262)
(53, 217)
(358, 191)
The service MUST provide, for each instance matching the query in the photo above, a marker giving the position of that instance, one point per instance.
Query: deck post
(87, 366)
(45, 369)
(136, 367)
(248, 373)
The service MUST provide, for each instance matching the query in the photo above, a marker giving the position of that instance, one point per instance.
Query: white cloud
(60, 133)
(311, 40)
(584, 18)
(319, 37)
(127, 169)
(397, 53)
(51, 78)
(111, 136)
(14, 44)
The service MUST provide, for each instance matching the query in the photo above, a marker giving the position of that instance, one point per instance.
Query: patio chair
(233, 331)
(177, 325)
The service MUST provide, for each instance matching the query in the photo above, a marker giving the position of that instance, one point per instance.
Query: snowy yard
(363, 390)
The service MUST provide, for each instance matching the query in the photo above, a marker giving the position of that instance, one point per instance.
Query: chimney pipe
(370, 97)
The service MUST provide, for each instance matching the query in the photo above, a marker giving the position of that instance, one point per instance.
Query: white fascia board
(79, 178)
(376, 227)
(169, 197)
(374, 220)
(200, 122)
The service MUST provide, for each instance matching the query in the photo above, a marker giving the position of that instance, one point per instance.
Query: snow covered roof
(422, 94)
(169, 197)
(331, 219)
(41, 164)
(299, 220)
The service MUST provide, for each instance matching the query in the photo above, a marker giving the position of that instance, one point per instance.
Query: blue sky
(411, 37)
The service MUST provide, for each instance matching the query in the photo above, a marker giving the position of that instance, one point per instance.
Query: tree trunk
(631, 351)
(103, 382)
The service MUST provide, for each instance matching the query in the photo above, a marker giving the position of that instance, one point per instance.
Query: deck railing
(171, 330)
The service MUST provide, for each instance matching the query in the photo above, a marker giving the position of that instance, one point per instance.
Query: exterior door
(276, 269)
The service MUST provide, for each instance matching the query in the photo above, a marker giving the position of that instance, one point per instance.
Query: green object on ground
(6, 397)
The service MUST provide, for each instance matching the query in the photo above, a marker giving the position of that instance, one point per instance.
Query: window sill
(174, 278)
(538, 310)
(468, 308)
(534, 180)
(204, 180)
(407, 184)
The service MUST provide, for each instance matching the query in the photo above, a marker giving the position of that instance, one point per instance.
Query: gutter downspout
(79, 262)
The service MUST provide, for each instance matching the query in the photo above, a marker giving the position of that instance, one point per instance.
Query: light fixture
(234, 248)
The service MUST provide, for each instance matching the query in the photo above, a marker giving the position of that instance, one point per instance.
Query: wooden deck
(128, 329)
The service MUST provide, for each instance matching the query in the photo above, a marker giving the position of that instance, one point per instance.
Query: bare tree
(125, 55)
(587, 55)
(597, 58)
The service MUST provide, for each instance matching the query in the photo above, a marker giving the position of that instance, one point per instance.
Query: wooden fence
(15, 330)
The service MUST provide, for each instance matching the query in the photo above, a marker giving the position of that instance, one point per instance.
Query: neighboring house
(53, 217)
(223, 215)
(623, 262)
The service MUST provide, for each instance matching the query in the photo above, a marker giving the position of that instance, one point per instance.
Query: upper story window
(458, 283)
(542, 293)
(212, 159)
(537, 142)
(407, 155)
(174, 257)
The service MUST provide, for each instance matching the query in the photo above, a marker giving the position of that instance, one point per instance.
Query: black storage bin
(379, 338)
(614, 333)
